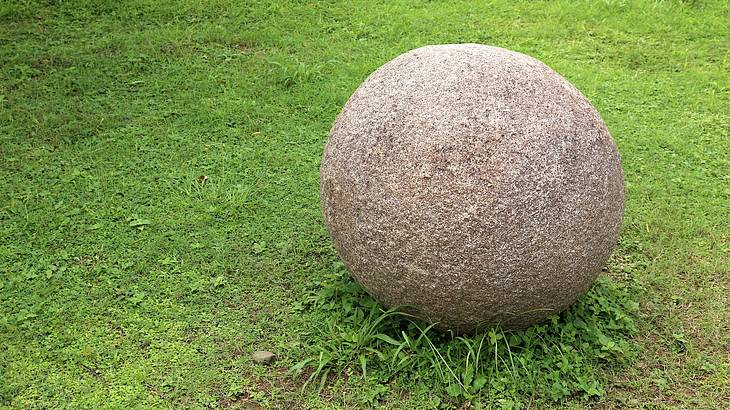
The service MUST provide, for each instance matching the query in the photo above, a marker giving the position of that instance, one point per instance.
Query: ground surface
(128, 280)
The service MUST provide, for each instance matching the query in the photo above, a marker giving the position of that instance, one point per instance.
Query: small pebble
(263, 357)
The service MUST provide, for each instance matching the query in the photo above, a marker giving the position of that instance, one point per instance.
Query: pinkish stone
(472, 184)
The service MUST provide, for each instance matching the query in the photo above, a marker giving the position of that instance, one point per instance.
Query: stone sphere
(472, 186)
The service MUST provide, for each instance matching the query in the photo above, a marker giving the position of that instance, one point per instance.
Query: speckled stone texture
(472, 184)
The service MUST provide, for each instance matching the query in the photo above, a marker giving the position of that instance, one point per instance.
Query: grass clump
(563, 357)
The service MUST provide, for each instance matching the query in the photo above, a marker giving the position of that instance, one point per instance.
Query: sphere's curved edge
(491, 209)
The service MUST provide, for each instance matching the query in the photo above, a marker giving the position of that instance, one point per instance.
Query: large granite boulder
(472, 185)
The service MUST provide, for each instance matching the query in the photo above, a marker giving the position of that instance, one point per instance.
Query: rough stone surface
(263, 357)
(473, 184)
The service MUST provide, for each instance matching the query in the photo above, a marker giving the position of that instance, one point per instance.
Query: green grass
(564, 357)
(127, 282)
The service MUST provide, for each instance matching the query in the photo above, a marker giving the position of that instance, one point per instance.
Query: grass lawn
(129, 279)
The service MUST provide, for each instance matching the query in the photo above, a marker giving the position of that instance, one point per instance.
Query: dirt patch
(49, 62)
(244, 47)
(242, 401)
(277, 381)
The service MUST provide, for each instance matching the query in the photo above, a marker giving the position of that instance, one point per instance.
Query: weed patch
(563, 357)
